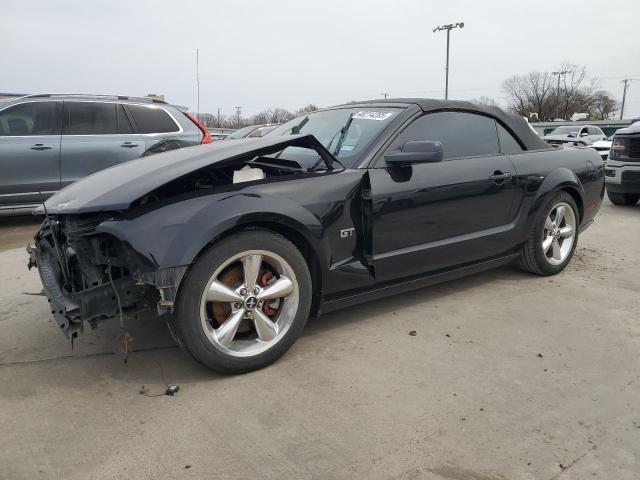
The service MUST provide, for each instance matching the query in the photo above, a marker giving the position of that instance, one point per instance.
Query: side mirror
(416, 152)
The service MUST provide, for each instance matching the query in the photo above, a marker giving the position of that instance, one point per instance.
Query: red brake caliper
(264, 281)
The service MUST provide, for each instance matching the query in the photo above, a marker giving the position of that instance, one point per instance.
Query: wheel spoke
(548, 224)
(227, 331)
(280, 288)
(566, 231)
(546, 243)
(559, 215)
(251, 266)
(267, 330)
(557, 253)
(219, 292)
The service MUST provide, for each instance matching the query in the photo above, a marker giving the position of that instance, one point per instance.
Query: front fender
(173, 235)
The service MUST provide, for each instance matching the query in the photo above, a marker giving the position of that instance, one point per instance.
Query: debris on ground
(540, 355)
(413, 333)
(172, 390)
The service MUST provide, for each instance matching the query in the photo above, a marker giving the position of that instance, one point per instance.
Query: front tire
(244, 302)
(627, 199)
(553, 238)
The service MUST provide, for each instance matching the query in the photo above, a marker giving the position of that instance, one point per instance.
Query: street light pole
(448, 28)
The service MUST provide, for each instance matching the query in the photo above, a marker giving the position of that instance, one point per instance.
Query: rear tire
(623, 198)
(553, 237)
(244, 302)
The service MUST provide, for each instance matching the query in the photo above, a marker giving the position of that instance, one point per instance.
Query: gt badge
(347, 232)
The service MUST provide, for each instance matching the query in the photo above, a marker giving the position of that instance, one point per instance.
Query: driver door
(431, 216)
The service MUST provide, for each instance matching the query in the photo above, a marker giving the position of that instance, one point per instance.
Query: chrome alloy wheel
(258, 312)
(559, 233)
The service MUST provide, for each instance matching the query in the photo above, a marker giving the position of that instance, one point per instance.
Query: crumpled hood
(116, 188)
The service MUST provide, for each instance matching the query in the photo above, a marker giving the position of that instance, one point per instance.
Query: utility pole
(384, 95)
(198, 80)
(563, 72)
(626, 83)
(448, 28)
(238, 111)
(218, 117)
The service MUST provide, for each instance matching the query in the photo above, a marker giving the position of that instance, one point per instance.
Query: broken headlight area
(88, 275)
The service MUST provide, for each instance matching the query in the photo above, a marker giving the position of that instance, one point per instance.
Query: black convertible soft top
(517, 125)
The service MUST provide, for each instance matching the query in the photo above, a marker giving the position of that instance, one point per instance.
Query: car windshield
(243, 132)
(327, 126)
(565, 131)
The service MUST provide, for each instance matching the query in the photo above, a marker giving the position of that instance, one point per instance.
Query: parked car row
(252, 131)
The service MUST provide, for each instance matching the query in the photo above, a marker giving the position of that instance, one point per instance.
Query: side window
(461, 134)
(508, 144)
(89, 118)
(31, 118)
(151, 120)
(124, 125)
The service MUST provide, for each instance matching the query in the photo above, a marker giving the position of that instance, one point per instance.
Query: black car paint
(412, 225)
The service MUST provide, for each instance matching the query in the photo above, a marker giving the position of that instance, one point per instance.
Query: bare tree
(486, 101)
(308, 109)
(576, 93)
(603, 105)
(281, 115)
(531, 94)
(262, 117)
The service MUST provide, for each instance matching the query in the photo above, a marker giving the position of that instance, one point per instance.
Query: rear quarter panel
(580, 171)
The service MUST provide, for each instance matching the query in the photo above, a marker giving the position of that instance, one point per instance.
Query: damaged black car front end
(88, 275)
(98, 254)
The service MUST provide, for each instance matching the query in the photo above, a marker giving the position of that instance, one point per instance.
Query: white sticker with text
(372, 115)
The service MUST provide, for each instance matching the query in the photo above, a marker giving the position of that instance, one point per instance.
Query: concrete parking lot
(508, 376)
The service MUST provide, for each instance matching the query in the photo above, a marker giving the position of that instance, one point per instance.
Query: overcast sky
(289, 53)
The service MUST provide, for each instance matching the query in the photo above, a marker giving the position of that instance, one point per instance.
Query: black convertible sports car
(238, 243)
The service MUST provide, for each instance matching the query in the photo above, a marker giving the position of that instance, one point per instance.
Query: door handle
(129, 145)
(40, 146)
(498, 176)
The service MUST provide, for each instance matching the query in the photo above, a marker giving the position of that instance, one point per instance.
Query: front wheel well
(294, 237)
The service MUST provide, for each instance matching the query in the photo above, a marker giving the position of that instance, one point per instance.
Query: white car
(603, 147)
(580, 134)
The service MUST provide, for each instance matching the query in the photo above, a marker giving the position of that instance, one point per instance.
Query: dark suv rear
(622, 174)
(49, 141)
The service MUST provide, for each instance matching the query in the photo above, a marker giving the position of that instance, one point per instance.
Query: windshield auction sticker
(372, 115)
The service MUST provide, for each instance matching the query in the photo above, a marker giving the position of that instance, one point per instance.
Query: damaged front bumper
(88, 276)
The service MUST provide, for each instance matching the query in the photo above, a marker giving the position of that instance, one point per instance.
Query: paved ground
(509, 376)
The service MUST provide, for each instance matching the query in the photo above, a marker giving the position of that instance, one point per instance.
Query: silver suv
(49, 141)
